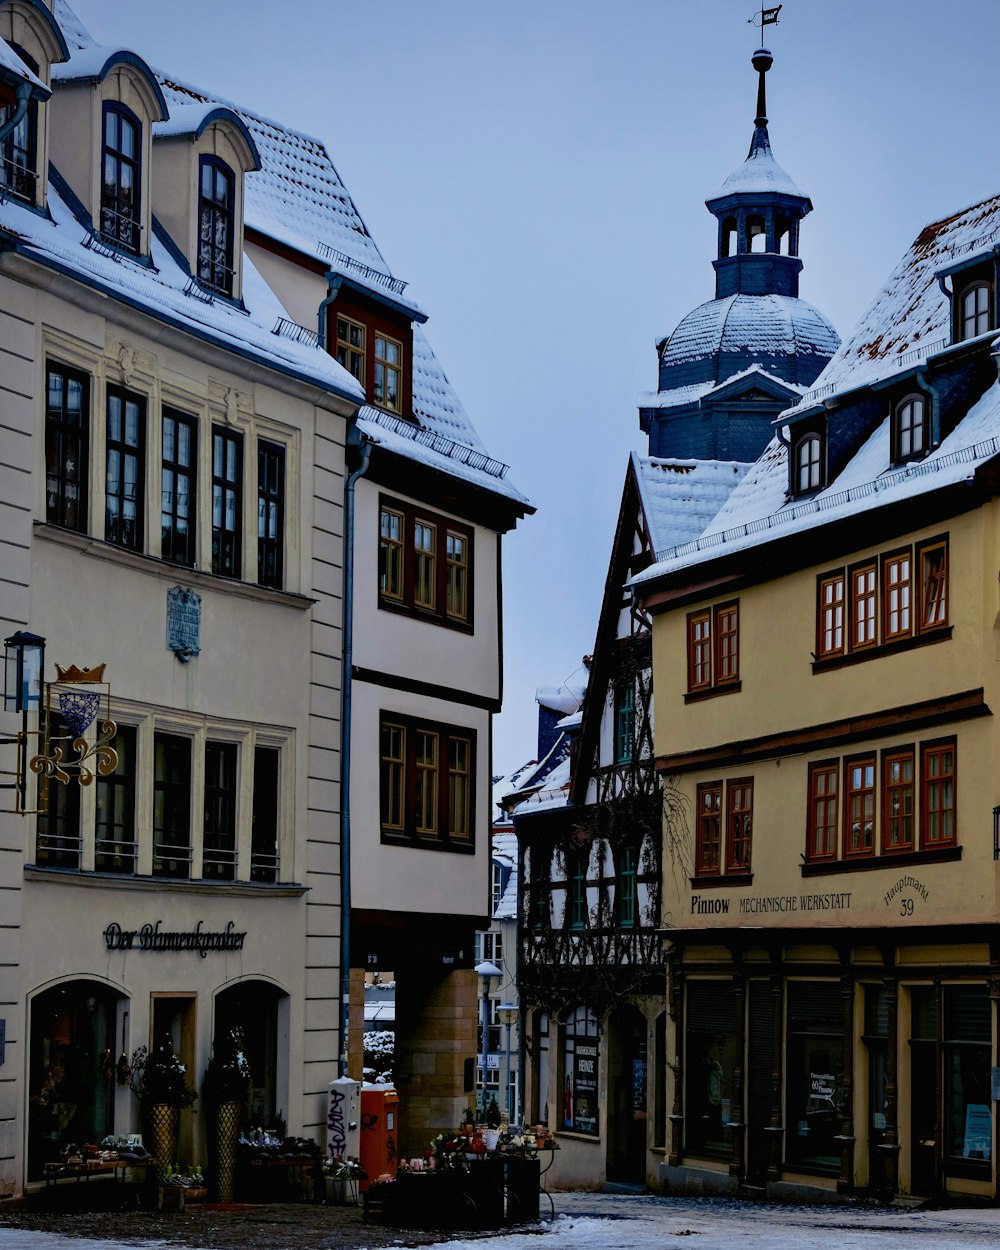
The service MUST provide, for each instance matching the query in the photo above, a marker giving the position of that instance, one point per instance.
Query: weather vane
(767, 17)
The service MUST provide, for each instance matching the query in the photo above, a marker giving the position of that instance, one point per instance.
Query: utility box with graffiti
(342, 1119)
(379, 1132)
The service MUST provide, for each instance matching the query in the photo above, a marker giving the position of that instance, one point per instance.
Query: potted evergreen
(226, 1088)
(159, 1081)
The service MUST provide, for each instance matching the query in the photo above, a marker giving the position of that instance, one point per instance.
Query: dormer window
(388, 373)
(351, 337)
(18, 157)
(975, 311)
(910, 428)
(808, 464)
(215, 225)
(120, 177)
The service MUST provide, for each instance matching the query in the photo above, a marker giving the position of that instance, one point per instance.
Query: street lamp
(507, 1014)
(487, 970)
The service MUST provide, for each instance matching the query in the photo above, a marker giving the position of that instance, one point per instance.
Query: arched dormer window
(808, 464)
(120, 177)
(756, 235)
(18, 152)
(910, 428)
(975, 311)
(216, 206)
(727, 237)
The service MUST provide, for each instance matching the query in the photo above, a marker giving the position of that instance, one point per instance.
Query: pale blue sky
(537, 170)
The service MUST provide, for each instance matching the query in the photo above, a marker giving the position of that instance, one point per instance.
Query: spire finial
(762, 59)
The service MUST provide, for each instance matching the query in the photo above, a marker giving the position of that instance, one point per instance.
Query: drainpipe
(354, 442)
(333, 282)
(23, 92)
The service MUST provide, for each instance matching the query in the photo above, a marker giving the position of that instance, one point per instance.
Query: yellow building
(826, 669)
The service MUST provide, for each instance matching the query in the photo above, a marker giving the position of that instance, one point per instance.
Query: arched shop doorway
(75, 1031)
(259, 1010)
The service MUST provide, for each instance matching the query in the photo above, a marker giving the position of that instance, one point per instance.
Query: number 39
(906, 907)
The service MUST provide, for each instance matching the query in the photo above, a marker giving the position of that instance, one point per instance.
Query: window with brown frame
(937, 787)
(898, 809)
(896, 595)
(909, 429)
(892, 599)
(427, 782)
(975, 310)
(714, 648)
(425, 564)
(890, 790)
(351, 339)
(739, 821)
(708, 833)
(864, 606)
(859, 806)
(824, 781)
(388, 391)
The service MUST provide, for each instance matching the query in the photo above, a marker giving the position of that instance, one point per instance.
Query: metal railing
(437, 442)
(264, 867)
(287, 329)
(171, 861)
(369, 272)
(115, 855)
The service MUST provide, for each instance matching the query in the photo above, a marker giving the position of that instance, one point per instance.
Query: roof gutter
(353, 443)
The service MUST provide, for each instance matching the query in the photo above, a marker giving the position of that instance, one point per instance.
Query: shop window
(427, 781)
(710, 1064)
(126, 463)
(909, 429)
(581, 1059)
(18, 151)
(255, 1013)
(264, 860)
(66, 430)
(119, 213)
(270, 514)
(219, 845)
(171, 806)
(114, 845)
(425, 565)
(713, 649)
(227, 501)
(73, 1047)
(624, 695)
(815, 1094)
(968, 1102)
(216, 225)
(177, 494)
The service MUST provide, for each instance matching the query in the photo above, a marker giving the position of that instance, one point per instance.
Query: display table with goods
(269, 1169)
(109, 1161)
(473, 1178)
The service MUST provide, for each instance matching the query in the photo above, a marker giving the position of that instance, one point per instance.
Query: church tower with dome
(735, 362)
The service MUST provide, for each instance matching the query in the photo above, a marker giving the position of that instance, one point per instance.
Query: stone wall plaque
(183, 623)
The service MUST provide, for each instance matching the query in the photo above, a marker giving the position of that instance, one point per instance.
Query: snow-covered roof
(553, 793)
(910, 318)
(680, 497)
(756, 512)
(15, 68)
(762, 325)
(564, 698)
(572, 721)
(508, 783)
(678, 396)
(760, 173)
(193, 119)
(167, 292)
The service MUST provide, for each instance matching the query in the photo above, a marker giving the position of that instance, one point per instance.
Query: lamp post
(507, 1014)
(486, 970)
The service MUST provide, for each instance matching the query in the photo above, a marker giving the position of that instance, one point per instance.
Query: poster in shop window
(585, 1088)
(978, 1131)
